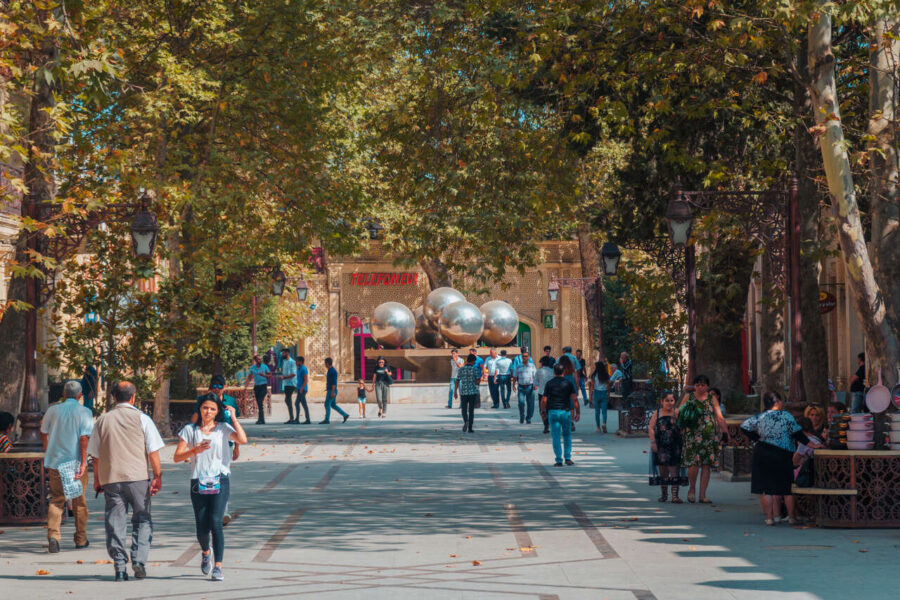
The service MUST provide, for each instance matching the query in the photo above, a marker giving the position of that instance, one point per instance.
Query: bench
(814, 491)
(811, 501)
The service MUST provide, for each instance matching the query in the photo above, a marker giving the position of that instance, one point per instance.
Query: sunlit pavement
(411, 507)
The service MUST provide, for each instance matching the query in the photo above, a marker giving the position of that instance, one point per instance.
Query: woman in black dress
(665, 444)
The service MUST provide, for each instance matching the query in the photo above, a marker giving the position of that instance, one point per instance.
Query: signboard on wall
(384, 278)
(549, 319)
(827, 302)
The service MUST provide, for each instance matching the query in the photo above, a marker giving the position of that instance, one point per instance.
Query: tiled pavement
(410, 507)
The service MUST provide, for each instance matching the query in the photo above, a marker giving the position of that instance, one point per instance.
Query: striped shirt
(5, 445)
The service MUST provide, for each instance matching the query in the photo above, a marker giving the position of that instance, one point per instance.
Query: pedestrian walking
(560, 404)
(599, 387)
(776, 433)
(331, 384)
(466, 388)
(665, 449)
(523, 379)
(302, 390)
(479, 362)
(65, 432)
(361, 398)
(259, 375)
(289, 382)
(7, 426)
(504, 378)
(582, 376)
(858, 385)
(206, 445)
(548, 353)
(382, 379)
(625, 365)
(490, 366)
(455, 363)
(568, 362)
(125, 442)
(698, 416)
(518, 361)
(217, 388)
(544, 374)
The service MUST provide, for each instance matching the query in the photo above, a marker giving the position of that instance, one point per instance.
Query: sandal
(692, 497)
(665, 494)
(705, 501)
(675, 498)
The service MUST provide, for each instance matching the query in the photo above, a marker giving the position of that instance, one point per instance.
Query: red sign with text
(384, 278)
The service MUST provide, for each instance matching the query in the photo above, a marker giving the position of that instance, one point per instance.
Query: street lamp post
(767, 215)
(610, 257)
(144, 230)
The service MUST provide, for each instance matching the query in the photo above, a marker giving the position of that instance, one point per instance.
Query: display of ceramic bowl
(860, 436)
(895, 425)
(860, 445)
(895, 437)
(860, 417)
(861, 425)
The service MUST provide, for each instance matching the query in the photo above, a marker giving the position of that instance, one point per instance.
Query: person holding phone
(205, 445)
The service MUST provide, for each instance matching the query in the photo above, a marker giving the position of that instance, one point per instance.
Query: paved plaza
(411, 507)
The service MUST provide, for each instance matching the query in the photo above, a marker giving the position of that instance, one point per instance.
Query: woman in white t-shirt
(205, 444)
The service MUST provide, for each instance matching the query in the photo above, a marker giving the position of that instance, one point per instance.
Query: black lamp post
(374, 228)
(144, 230)
(278, 282)
(302, 290)
(680, 222)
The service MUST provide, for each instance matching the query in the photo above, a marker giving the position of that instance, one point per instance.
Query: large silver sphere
(426, 335)
(436, 301)
(393, 324)
(461, 323)
(501, 323)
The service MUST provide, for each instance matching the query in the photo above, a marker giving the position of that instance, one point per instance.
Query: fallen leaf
(452, 556)
(429, 515)
(476, 562)
(42, 572)
(526, 549)
(863, 550)
(79, 562)
(103, 562)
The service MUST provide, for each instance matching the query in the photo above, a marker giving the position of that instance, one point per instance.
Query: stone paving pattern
(411, 507)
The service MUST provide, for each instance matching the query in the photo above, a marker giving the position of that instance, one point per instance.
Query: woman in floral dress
(701, 447)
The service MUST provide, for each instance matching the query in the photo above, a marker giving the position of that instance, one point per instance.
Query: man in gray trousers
(125, 442)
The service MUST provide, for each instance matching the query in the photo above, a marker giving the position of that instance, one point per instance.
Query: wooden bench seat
(814, 491)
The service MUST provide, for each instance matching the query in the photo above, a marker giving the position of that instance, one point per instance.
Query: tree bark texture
(591, 266)
(437, 272)
(812, 328)
(719, 315)
(772, 330)
(869, 298)
(884, 160)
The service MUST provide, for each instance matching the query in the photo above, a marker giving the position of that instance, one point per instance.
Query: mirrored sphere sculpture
(426, 335)
(436, 301)
(393, 324)
(501, 323)
(461, 323)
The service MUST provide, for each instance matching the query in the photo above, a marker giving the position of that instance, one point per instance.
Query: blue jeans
(331, 402)
(601, 403)
(505, 383)
(526, 399)
(450, 394)
(584, 395)
(494, 389)
(858, 402)
(561, 425)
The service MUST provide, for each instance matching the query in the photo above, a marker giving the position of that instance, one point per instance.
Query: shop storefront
(351, 287)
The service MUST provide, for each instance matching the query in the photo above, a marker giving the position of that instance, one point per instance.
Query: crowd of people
(124, 444)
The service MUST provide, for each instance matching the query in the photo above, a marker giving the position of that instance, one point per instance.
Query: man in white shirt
(65, 429)
(524, 379)
(125, 442)
(289, 380)
(455, 363)
(504, 364)
(493, 387)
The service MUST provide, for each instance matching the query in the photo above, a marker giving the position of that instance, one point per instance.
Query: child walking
(665, 446)
(361, 397)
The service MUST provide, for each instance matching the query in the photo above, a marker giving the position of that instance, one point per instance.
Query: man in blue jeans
(331, 381)
(523, 379)
(559, 401)
(504, 366)
(455, 363)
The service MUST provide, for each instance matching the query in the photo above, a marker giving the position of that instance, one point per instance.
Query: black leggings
(208, 512)
(260, 391)
(467, 407)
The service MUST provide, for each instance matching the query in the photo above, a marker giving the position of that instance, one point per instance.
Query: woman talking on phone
(205, 444)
